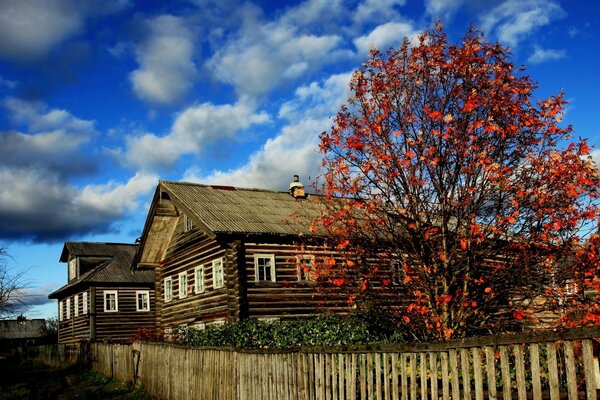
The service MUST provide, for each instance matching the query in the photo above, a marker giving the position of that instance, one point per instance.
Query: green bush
(322, 330)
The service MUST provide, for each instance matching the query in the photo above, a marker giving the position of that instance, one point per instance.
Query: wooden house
(104, 298)
(22, 332)
(221, 253)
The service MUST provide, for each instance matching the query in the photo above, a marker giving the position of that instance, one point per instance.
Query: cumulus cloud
(542, 55)
(514, 20)
(294, 150)
(370, 10)
(30, 29)
(263, 55)
(37, 160)
(193, 129)
(52, 140)
(166, 67)
(384, 36)
(40, 207)
(443, 8)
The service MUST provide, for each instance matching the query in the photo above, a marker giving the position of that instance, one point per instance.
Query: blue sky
(100, 99)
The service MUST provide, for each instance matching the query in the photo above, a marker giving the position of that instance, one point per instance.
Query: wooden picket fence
(543, 365)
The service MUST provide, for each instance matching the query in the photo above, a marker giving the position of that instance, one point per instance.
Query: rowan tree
(448, 184)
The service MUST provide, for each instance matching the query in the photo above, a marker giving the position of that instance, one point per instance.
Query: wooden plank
(413, 376)
(454, 374)
(477, 373)
(352, 387)
(394, 371)
(404, 379)
(369, 372)
(553, 371)
(466, 373)
(570, 370)
(445, 376)
(589, 369)
(423, 374)
(363, 377)
(334, 376)
(520, 372)
(386, 376)
(505, 369)
(378, 386)
(342, 374)
(490, 364)
(433, 367)
(534, 360)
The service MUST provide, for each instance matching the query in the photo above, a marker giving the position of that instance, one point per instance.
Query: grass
(35, 381)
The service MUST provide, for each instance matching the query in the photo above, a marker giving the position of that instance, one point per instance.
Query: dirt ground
(32, 382)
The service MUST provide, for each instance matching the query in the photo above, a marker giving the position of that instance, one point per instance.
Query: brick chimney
(297, 188)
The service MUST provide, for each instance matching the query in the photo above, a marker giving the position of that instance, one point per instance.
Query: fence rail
(550, 365)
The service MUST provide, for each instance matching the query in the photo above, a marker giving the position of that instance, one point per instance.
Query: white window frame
(142, 293)
(68, 308)
(76, 305)
(218, 273)
(271, 258)
(84, 303)
(199, 279)
(108, 293)
(168, 289)
(198, 326)
(183, 285)
(60, 310)
(306, 274)
(72, 268)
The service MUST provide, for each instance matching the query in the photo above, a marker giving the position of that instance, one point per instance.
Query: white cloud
(167, 69)
(264, 55)
(443, 8)
(542, 55)
(52, 139)
(193, 129)
(373, 10)
(30, 29)
(41, 207)
(514, 20)
(294, 150)
(8, 83)
(384, 36)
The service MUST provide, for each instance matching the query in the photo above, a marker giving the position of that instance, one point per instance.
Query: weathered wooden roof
(25, 329)
(116, 270)
(94, 249)
(226, 209)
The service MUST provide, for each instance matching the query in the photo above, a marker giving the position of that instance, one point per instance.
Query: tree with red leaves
(446, 183)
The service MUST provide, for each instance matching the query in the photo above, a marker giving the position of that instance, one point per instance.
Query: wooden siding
(119, 325)
(76, 328)
(122, 325)
(185, 252)
(287, 297)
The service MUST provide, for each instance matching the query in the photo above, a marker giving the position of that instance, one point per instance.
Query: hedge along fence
(539, 365)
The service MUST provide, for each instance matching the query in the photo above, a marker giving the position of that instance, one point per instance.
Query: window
(142, 302)
(218, 275)
(198, 326)
(60, 310)
(84, 303)
(183, 288)
(72, 269)
(188, 224)
(68, 308)
(199, 279)
(111, 301)
(76, 305)
(168, 288)
(306, 268)
(264, 267)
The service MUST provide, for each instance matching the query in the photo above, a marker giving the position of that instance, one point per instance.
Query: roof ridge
(218, 187)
